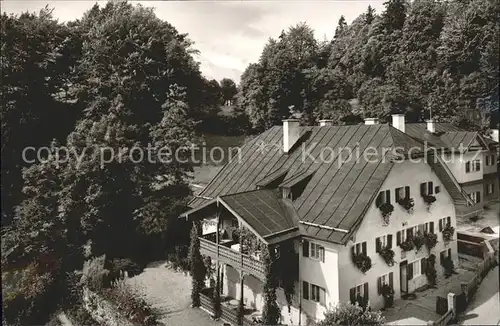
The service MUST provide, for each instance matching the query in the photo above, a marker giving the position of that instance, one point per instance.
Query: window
(490, 159)
(437, 190)
(384, 197)
(317, 252)
(444, 255)
(427, 188)
(382, 242)
(313, 292)
(402, 192)
(359, 291)
(414, 269)
(473, 166)
(385, 279)
(359, 248)
(429, 227)
(443, 222)
(490, 189)
(476, 197)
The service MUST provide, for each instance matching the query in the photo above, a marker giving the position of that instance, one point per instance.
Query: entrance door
(403, 276)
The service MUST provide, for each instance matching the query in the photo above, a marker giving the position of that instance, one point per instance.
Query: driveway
(170, 293)
(485, 305)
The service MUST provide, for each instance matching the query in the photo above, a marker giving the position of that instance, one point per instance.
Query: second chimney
(431, 126)
(398, 122)
(371, 121)
(325, 122)
(291, 133)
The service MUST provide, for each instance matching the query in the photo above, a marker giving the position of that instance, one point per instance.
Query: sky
(229, 34)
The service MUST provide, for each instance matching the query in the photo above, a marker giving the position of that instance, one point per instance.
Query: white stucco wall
(323, 274)
(456, 163)
(487, 169)
(403, 174)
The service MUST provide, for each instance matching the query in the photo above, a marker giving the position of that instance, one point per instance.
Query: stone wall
(102, 310)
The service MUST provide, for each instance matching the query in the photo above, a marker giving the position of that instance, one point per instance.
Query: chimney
(371, 121)
(398, 122)
(291, 132)
(494, 134)
(431, 125)
(325, 122)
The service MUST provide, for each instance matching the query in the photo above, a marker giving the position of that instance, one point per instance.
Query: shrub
(362, 261)
(131, 304)
(388, 255)
(407, 204)
(430, 240)
(94, 275)
(418, 240)
(271, 311)
(179, 258)
(431, 272)
(449, 267)
(197, 266)
(351, 314)
(448, 232)
(386, 209)
(81, 317)
(120, 265)
(388, 294)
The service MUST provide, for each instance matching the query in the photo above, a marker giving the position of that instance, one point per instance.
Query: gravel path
(169, 292)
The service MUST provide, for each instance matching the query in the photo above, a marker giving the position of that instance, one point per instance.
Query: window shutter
(379, 285)
(423, 265)
(440, 225)
(365, 292)
(391, 281)
(378, 201)
(389, 240)
(377, 244)
(396, 195)
(420, 228)
(449, 253)
(422, 189)
(409, 232)
(388, 195)
(448, 220)
(478, 196)
(407, 192)
(398, 238)
(352, 293)
(364, 247)
(441, 257)
(410, 271)
(467, 167)
(305, 290)
(431, 227)
(322, 296)
(322, 254)
(305, 248)
(430, 185)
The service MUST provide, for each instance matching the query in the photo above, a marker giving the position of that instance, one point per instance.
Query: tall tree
(229, 90)
(369, 15)
(196, 265)
(395, 14)
(341, 26)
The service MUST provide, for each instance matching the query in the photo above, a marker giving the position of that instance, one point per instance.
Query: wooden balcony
(232, 257)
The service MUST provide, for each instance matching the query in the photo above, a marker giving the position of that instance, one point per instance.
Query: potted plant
(418, 240)
(430, 240)
(407, 245)
(388, 294)
(388, 255)
(362, 261)
(448, 232)
(429, 200)
(407, 203)
(386, 209)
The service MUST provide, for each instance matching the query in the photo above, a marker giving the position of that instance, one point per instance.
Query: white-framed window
(427, 188)
(359, 247)
(475, 196)
(490, 188)
(313, 292)
(413, 269)
(384, 197)
(490, 160)
(383, 241)
(384, 279)
(429, 227)
(359, 291)
(473, 166)
(316, 251)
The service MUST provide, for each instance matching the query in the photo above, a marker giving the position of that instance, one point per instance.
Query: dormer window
(294, 186)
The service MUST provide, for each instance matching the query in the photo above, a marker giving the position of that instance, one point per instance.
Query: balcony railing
(232, 257)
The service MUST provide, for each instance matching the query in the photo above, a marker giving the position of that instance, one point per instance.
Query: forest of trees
(121, 77)
(414, 58)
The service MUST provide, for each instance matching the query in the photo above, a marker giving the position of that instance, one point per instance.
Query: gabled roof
(339, 192)
(447, 136)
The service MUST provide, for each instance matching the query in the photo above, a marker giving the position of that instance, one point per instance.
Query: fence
(445, 319)
(441, 305)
